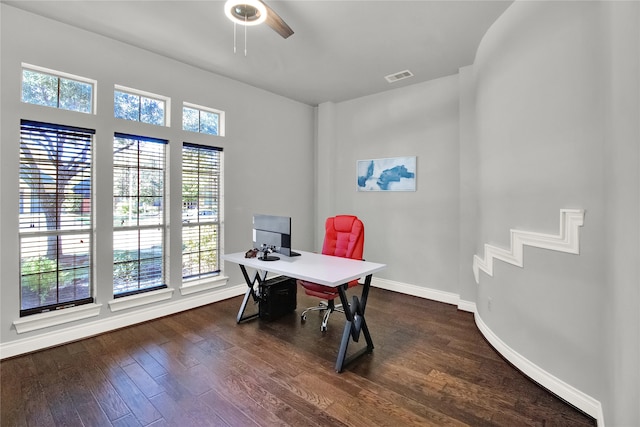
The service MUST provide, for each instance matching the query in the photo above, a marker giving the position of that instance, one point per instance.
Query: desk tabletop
(313, 267)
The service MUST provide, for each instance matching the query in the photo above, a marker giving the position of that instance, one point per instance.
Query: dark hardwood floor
(430, 366)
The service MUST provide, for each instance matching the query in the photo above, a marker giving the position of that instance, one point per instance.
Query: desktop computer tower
(277, 297)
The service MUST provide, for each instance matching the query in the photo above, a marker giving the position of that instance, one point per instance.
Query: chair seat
(321, 291)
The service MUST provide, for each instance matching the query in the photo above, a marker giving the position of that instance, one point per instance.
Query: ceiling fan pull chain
(245, 36)
(234, 37)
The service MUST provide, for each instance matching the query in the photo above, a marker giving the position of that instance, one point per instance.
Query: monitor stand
(265, 254)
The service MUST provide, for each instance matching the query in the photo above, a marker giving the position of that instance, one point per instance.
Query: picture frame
(386, 174)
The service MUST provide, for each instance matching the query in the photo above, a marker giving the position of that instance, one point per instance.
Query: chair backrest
(344, 237)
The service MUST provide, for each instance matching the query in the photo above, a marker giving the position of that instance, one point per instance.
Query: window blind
(55, 216)
(138, 212)
(201, 168)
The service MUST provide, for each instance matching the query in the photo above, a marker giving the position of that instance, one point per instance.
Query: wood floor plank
(60, 403)
(87, 407)
(286, 414)
(175, 413)
(135, 399)
(430, 367)
(117, 345)
(130, 420)
(103, 391)
(35, 406)
(148, 363)
(225, 409)
(145, 382)
(301, 396)
(248, 405)
(10, 375)
(401, 415)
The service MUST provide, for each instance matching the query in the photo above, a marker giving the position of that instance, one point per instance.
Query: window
(58, 90)
(55, 216)
(138, 214)
(200, 210)
(202, 119)
(131, 104)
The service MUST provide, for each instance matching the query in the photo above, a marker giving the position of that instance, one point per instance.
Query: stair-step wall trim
(567, 240)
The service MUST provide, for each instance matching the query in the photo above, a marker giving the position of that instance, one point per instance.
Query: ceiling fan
(254, 12)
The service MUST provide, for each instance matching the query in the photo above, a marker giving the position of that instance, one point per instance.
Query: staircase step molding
(567, 240)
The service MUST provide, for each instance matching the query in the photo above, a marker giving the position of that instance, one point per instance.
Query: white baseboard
(467, 306)
(418, 291)
(575, 397)
(99, 326)
(580, 400)
(427, 293)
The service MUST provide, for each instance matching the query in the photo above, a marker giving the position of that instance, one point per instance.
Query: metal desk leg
(251, 292)
(354, 324)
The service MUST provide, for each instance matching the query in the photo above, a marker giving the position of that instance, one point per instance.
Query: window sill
(200, 285)
(57, 317)
(132, 301)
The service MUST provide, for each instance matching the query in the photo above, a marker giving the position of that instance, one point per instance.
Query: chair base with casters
(328, 307)
(327, 296)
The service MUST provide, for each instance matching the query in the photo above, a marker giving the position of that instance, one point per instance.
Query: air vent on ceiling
(391, 78)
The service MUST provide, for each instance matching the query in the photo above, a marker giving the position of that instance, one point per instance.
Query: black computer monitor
(274, 232)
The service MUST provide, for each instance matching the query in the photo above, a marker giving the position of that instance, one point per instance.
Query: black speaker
(277, 297)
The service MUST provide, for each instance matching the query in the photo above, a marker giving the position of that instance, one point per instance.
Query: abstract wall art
(389, 174)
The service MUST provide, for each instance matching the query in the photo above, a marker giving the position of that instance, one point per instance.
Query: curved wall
(540, 108)
(557, 104)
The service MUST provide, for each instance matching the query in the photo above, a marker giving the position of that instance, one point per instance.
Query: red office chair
(344, 237)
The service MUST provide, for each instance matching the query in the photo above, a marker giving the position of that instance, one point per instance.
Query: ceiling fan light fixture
(246, 12)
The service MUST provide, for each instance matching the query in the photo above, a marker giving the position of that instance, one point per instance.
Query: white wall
(557, 127)
(622, 199)
(268, 150)
(414, 233)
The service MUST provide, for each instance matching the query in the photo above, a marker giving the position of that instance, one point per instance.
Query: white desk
(325, 270)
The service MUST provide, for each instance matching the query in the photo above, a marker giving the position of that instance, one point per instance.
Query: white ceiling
(340, 49)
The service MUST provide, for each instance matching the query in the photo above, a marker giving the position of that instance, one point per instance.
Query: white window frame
(150, 95)
(220, 113)
(68, 76)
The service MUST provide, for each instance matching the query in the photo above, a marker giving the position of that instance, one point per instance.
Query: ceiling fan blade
(277, 23)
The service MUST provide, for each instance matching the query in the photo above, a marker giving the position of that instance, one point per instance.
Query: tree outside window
(52, 90)
(131, 105)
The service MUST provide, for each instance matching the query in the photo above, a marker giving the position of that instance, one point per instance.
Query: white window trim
(220, 113)
(137, 300)
(93, 83)
(166, 99)
(57, 317)
(200, 285)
